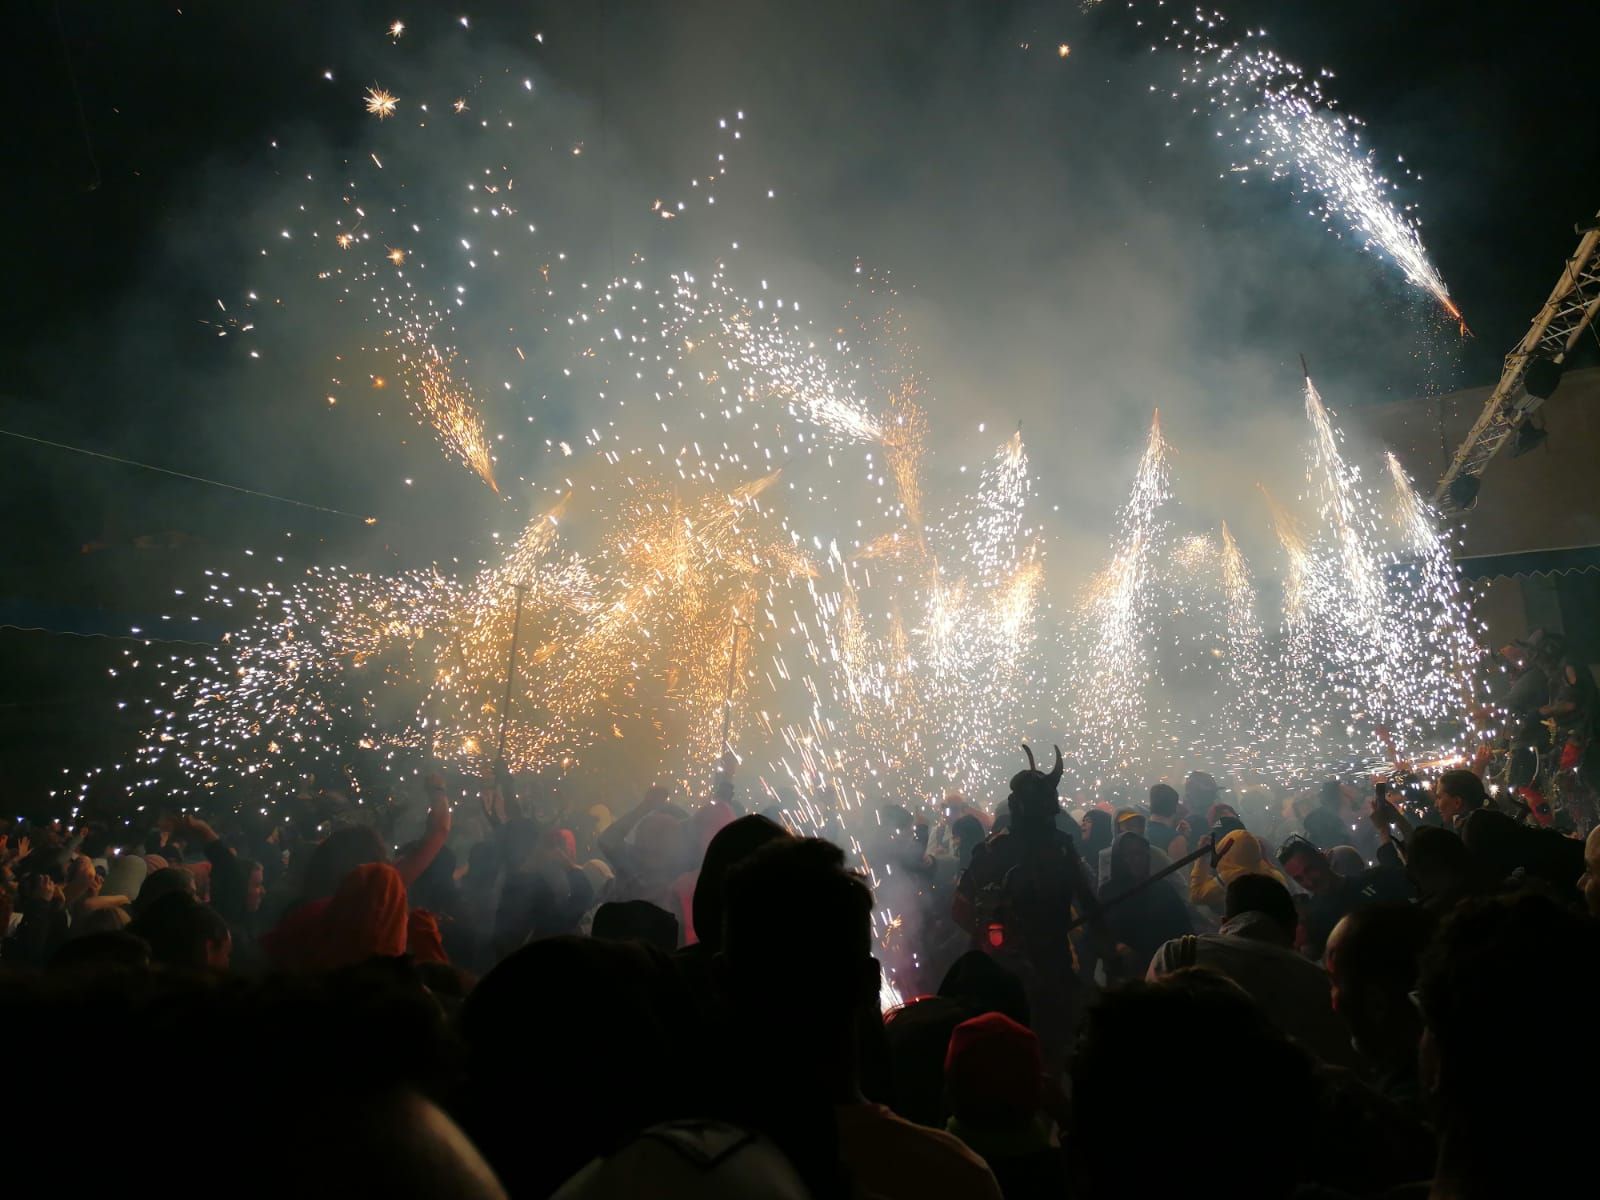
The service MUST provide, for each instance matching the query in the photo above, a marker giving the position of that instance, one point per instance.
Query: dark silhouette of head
(1130, 862)
(587, 1025)
(1264, 895)
(165, 882)
(1034, 801)
(1459, 793)
(341, 852)
(1163, 801)
(967, 832)
(1200, 791)
(731, 844)
(636, 921)
(797, 934)
(1119, 1066)
(183, 934)
(918, 1036)
(1373, 958)
(797, 941)
(980, 983)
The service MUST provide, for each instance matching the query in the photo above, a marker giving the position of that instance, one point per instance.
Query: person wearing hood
(347, 848)
(729, 846)
(1131, 820)
(366, 918)
(1238, 854)
(993, 1072)
(1141, 916)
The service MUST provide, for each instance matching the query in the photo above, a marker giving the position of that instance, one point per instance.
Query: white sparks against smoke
(885, 652)
(1375, 656)
(1112, 684)
(1280, 120)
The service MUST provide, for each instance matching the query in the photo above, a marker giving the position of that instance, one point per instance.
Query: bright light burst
(380, 103)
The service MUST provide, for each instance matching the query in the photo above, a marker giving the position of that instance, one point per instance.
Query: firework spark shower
(746, 517)
(1277, 118)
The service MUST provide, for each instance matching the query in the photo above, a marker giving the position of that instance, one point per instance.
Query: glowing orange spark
(380, 103)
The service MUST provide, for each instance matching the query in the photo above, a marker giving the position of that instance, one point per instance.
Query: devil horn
(1055, 774)
(1026, 749)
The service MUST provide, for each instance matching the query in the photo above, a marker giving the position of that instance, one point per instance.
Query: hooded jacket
(1240, 853)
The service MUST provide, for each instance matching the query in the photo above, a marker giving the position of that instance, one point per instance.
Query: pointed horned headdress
(1034, 782)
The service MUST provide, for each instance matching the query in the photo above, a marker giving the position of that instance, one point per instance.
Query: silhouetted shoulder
(888, 1156)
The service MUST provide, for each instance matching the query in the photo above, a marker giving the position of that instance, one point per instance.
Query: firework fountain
(1375, 655)
(1279, 119)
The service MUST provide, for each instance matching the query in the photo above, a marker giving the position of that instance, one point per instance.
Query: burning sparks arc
(961, 601)
(1282, 122)
(336, 655)
(381, 104)
(447, 404)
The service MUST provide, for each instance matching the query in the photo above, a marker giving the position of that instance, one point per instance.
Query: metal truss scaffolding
(1553, 334)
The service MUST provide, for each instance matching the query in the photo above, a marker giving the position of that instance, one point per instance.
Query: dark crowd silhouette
(1346, 991)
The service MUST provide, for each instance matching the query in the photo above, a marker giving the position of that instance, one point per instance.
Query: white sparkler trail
(1280, 120)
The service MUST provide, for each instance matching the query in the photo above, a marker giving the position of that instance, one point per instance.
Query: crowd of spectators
(1324, 997)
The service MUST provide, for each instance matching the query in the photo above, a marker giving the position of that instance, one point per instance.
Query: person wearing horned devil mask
(1020, 899)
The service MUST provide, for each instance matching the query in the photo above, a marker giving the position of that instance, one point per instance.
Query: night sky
(1062, 264)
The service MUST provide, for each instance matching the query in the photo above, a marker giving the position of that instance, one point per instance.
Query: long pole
(511, 670)
(1144, 883)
